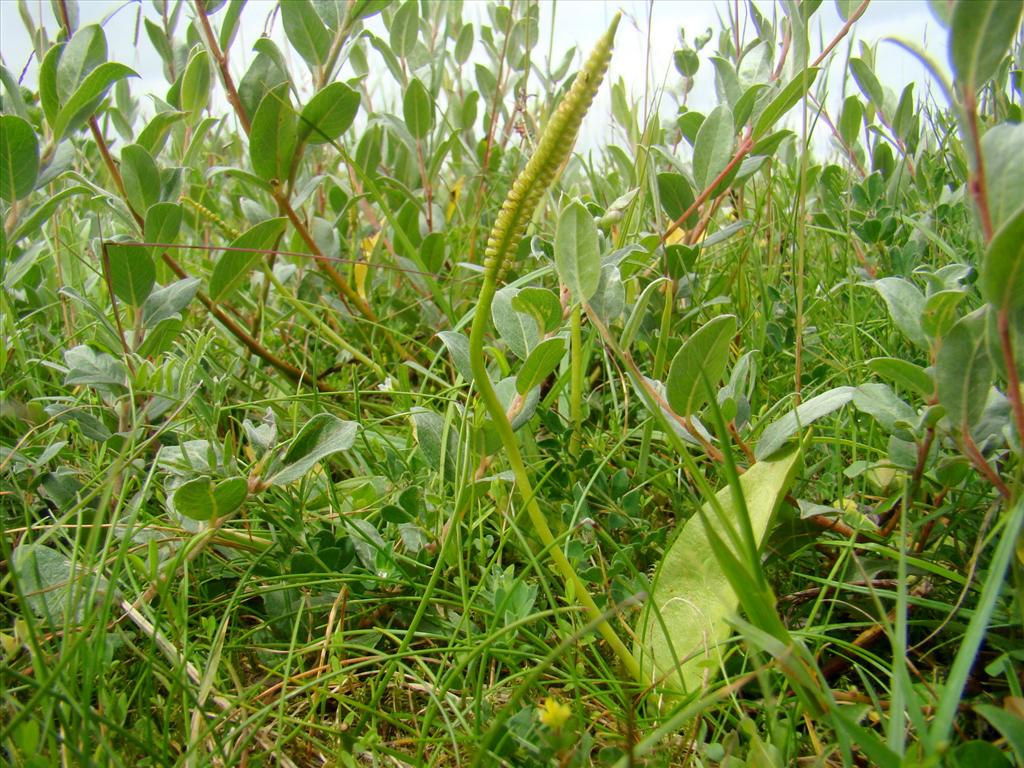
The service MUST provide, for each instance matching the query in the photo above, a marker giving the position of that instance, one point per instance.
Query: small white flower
(387, 385)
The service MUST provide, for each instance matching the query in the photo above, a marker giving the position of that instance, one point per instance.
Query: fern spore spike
(553, 149)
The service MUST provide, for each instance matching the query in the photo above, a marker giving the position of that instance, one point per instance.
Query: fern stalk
(553, 149)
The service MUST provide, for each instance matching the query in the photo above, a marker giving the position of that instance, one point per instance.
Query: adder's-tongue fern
(553, 149)
(556, 142)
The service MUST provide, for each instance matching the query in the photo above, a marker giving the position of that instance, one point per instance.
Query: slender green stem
(576, 380)
(525, 487)
(553, 150)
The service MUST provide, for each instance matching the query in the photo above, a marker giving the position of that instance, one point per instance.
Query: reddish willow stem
(221, 58)
(843, 31)
(1012, 377)
(250, 342)
(746, 144)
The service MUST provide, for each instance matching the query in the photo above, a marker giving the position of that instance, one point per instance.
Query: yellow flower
(554, 713)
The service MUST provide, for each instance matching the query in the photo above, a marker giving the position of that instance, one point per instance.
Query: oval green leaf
(905, 303)
(542, 304)
(163, 222)
(85, 51)
(306, 32)
(712, 149)
(686, 617)
(699, 364)
(850, 120)
(577, 257)
(418, 109)
(437, 443)
(328, 114)
(132, 273)
(1002, 270)
(458, 349)
(405, 28)
(274, 135)
(963, 371)
(517, 329)
(544, 358)
(19, 158)
(1002, 147)
(141, 178)
(202, 499)
(980, 36)
(323, 435)
(676, 197)
(195, 83)
(48, 97)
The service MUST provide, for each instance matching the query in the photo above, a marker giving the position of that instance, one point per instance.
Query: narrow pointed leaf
(867, 81)
(88, 97)
(904, 374)
(786, 99)
(777, 433)
(19, 158)
(234, 265)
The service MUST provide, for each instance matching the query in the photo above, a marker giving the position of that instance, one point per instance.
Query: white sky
(577, 22)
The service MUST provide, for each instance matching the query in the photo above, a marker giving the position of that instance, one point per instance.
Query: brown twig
(254, 346)
(1012, 377)
(221, 57)
(915, 482)
(803, 595)
(976, 183)
(838, 664)
(843, 31)
(746, 144)
(970, 450)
